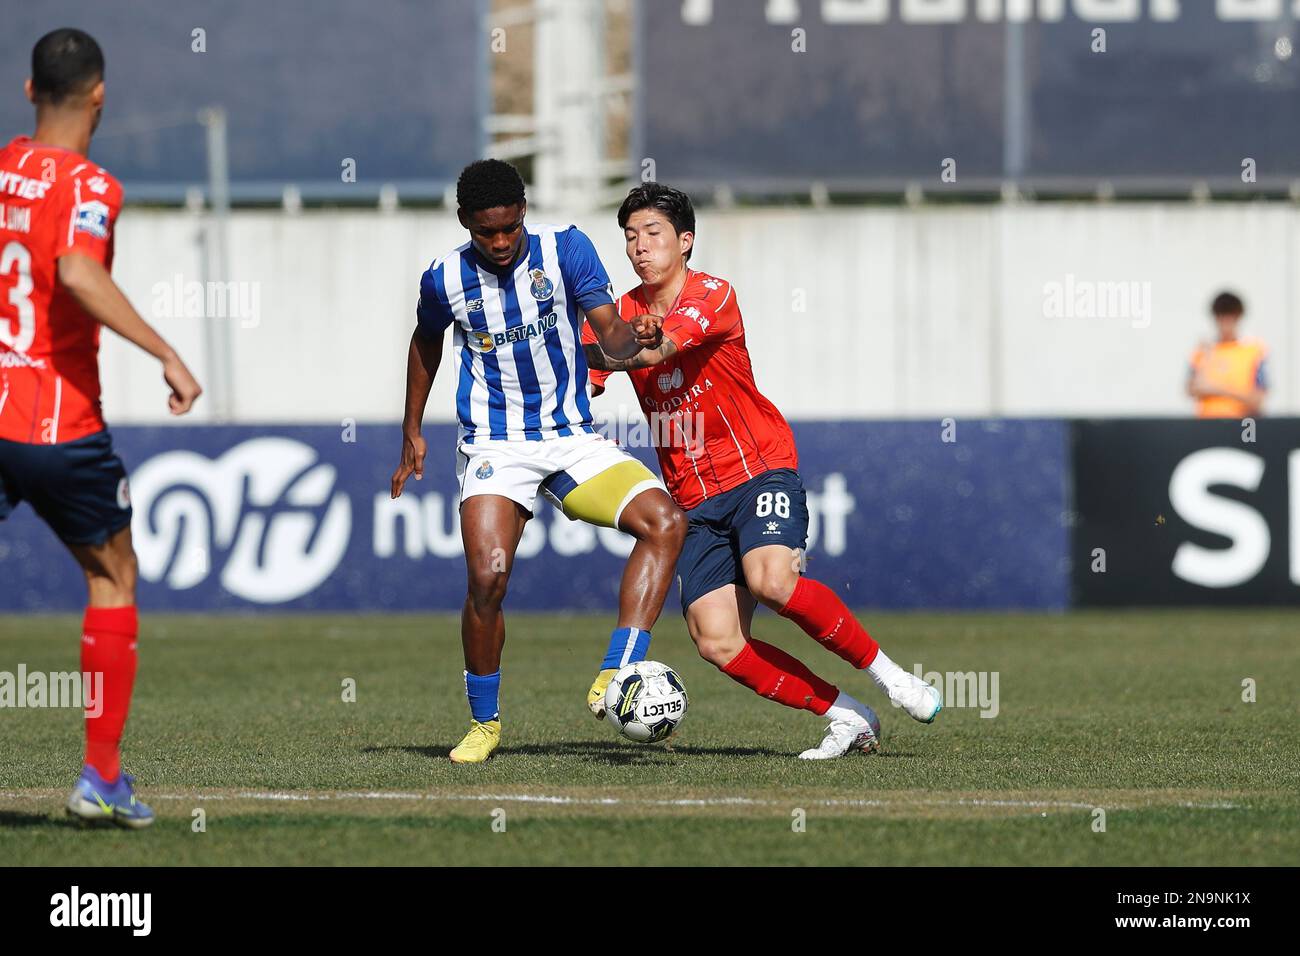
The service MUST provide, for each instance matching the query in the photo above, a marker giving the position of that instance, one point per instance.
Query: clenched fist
(649, 331)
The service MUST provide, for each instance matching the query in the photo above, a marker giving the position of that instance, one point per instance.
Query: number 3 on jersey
(767, 502)
(16, 258)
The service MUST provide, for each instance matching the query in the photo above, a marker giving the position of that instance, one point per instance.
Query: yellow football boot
(596, 696)
(479, 743)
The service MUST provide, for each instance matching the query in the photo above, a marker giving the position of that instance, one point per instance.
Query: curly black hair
(488, 183)
(673, 203)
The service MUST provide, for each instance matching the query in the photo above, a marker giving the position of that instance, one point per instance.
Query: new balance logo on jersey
(474, 305)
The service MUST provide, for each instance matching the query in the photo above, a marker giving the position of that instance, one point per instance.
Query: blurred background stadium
(975, 244)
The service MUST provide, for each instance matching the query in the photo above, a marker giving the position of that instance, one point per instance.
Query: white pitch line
(559, 800)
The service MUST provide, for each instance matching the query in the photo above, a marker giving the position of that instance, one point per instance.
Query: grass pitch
(1138, 714)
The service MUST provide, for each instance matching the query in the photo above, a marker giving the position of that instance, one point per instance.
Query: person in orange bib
(1228, 378)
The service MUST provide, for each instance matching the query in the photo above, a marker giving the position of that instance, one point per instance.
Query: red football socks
(819, 611)
(108, 648)
(774, 674)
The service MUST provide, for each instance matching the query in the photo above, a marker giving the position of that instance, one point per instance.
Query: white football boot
(922, 701)
(854, 727)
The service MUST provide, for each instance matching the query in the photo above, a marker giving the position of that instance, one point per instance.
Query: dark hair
(488, 183)
(673, 203)
(65, 62)
(1225, 303)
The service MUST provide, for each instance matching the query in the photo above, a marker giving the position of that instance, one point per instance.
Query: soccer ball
(646, 701)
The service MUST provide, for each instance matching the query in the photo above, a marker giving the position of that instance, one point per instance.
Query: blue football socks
(482, 692)
(627, 645)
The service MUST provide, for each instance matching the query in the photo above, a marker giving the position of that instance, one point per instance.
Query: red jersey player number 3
(58, 211)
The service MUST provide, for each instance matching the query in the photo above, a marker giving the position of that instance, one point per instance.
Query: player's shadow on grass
(607, 751)
(13, 819)
(632, 753)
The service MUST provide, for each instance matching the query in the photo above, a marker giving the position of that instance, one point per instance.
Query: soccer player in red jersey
(728, 458)
(57, 214)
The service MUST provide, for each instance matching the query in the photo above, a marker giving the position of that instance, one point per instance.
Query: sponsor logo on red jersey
(721, 431)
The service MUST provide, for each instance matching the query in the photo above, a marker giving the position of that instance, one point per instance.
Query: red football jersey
(52, 202)
(712, 429)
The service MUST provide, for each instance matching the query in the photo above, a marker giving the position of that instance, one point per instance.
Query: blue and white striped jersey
(520, 370)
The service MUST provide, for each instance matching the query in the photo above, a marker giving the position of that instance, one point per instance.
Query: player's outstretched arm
(597, 358)
(648, 333)
(90, 284)
(622, 340)
(422, 360)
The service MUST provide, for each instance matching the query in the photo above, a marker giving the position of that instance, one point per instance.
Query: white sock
(844, 708)
(885, 672)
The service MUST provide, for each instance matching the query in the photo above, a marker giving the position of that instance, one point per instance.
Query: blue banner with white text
(908, 515)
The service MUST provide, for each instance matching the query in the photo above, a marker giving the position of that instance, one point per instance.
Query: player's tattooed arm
(597, 359)
(622, 340)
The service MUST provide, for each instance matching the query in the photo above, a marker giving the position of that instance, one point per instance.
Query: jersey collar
(502, 272)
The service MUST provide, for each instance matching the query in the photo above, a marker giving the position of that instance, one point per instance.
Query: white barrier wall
(850, 312)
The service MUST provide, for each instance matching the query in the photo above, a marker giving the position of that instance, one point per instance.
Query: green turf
(1140, 714)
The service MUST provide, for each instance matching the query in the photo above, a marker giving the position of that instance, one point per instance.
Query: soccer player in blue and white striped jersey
(515, 299)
